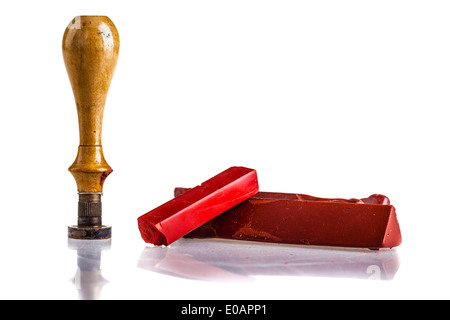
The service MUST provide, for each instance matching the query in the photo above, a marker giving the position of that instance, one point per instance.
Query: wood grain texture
(90, 49)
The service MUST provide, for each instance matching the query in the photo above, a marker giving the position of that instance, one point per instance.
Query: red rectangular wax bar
(177, 217)
(301, 219)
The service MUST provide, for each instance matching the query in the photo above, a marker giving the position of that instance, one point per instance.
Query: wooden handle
(90, 49)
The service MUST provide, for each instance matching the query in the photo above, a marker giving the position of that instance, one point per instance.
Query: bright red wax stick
(179, 216)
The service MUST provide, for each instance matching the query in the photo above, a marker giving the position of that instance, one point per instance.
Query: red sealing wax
(301, 219)
(177, 217)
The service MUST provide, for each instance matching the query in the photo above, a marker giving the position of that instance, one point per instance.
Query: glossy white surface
(328, 98)
(89, 269)
(213, 269)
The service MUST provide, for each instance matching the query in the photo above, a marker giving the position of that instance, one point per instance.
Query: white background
(327, 98)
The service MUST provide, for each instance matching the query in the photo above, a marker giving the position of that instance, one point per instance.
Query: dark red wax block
(177, 217)
(301, 219)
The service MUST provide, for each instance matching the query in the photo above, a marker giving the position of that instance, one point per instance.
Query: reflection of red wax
(301, 219)
(177, 217)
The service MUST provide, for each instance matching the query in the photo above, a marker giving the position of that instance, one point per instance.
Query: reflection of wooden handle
(90, 49)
